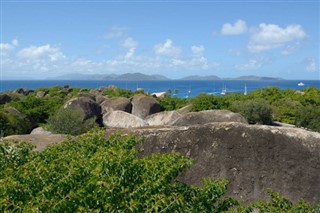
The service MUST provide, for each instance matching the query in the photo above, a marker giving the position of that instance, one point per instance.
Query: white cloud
(9, 46)
(291, 48)
(197, 50)
(130, 53)
(167, 49)
(15, 42)
(48, 60)
(115, 32)
(252, 64)
(269, 36)
(38, 52)
(239, 27)
(312, 65)
(129, 43)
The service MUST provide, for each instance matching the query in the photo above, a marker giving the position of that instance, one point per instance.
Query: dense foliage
(119, 92)
(255, 111)
(94, 173)
(172, 103)
(11, 124)
(300, 108)
(69, 121)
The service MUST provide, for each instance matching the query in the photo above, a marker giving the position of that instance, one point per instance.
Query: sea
(179, 88)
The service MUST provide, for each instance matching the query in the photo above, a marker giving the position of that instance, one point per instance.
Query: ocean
(188, 88)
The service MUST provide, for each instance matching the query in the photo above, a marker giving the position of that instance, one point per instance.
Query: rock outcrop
(40, 141)
(251, 157)
(20, 119)
(5, 98)
(143, 105)
(41, 94)
(121, 119)
(23, 91)
(166, 117)
(40, 131)
(208, 116)
(86, 105)
(118, 103)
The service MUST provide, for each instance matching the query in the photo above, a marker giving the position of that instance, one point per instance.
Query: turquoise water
(184, 88)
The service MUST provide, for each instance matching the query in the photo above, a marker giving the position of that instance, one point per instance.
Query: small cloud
(312, 65)
(9, 46)
(197, 50)
(252, 64)
(239, 27)
(15, 42)
(34, 53)
(115, 32)
(130, 53)
(269, 36)
(167, 49)
(129, 43)
(291, 48)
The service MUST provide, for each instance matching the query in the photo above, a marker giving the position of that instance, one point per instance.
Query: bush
(309, 117)
(285, 110)
(172, 103)
(255, 111)
(205, 102)
(12, 124)
(68, 121)
(99, 174)
(278, 203)
(38, 109)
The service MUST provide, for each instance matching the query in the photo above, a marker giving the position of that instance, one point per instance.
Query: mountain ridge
(141, 76)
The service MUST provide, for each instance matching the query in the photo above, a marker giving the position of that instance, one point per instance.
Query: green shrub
(38, 109)
(285, 110)
(12, 124)
(118, 92)
(172, 103)
(255, 111)
(205, 102)
(278, 203)
(309, 117)
(99, 174)
(13, 154)
(68, 121)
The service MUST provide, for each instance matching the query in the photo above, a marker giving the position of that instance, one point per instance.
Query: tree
(309, 117)
(68, 121)
(255, 111)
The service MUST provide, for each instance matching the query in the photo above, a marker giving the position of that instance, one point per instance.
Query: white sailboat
(301, 84)
(245, 89)
(224, 90)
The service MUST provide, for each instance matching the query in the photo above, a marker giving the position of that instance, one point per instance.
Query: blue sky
(41, 39)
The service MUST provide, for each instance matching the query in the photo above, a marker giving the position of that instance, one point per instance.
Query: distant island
(201, 78)
(141, 77)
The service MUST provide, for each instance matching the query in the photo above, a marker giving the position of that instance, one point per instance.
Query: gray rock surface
(143, 105)
(100, 99)
(25, 121)
(40, 131)
(5, 98)
(23, 91)
(166, 117)
(86, 105)
(251, 157)
(120, 119)
(41, 94)
(40, 141)
(88, 95)
(117, 103)
(209, 116)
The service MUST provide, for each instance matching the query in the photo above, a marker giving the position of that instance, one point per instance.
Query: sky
(231, 38)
